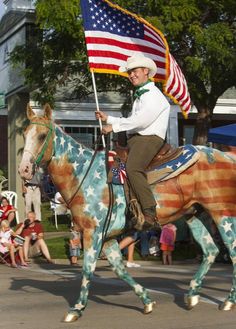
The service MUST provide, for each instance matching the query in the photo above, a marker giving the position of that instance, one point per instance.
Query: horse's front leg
(114, 257)
(210, 251)
(227, 229)
(92, 247)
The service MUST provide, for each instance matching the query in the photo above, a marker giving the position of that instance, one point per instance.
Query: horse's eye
(42, 137)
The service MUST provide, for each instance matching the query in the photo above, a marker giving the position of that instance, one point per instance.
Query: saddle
(168, 163)
(165, 154)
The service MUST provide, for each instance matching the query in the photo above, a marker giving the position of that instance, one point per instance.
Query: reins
(87, 171)
(39, 158)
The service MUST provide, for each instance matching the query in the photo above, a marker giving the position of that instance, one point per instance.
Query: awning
(223, 135)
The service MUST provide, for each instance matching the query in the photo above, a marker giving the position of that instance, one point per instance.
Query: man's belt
(132, 135)
(33, 185)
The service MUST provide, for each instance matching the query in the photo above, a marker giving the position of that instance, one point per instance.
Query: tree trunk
(203, 123)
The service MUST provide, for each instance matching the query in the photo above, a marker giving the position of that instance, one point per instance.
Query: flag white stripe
(160, 40)
(119, 50)
(114, 61)
(134, 41)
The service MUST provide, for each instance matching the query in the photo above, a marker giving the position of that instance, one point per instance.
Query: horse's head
(38, 142)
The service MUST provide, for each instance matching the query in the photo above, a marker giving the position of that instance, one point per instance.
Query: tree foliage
(200, 34)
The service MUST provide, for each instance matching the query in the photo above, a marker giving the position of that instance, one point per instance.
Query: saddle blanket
(173, 168)
(168, 170)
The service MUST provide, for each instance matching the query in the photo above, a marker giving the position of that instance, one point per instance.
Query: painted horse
(79, 173)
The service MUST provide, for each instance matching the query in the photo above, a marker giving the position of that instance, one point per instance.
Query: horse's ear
(30, 113)
(48, 111)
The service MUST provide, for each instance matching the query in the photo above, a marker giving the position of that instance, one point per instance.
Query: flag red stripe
(112, 54)
(156, 36)
(109, 25)
(123, 45)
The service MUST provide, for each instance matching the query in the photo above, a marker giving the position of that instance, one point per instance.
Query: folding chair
(3, 258)
(12, 198)
(3, 183)
(56, 210)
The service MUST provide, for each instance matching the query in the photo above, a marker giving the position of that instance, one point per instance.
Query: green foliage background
(201, 36)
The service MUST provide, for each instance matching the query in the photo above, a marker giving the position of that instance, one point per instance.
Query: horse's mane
(68, 136)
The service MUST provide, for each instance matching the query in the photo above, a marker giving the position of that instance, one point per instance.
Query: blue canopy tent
(223, 135)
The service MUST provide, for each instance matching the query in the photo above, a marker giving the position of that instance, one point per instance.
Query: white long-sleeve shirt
(149, 116)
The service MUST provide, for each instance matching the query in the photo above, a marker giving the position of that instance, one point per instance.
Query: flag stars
(97, 175)
(90, 191)
(227, 226)
(193, 284)
(114, 254)
(70, 147)
(81, 151)
(234, 244)
(101, 206)
(62, 141)
(96, 221)
(210, 259)
(119, 200)
(208, 238)
(91, 252)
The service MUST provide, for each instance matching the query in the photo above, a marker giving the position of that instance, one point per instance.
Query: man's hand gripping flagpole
(97, 106)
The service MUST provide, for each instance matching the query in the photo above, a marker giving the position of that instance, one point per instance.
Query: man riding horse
(146, 129)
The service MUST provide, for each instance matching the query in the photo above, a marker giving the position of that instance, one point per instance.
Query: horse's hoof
(71, 316)
(149, 307)
(192, 301)
(226, 306)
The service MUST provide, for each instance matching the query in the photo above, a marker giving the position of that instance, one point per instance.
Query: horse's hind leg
(114, 257)
(227, 229)
(210, 251)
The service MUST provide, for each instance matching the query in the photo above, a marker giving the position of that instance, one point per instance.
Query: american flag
(113, 34)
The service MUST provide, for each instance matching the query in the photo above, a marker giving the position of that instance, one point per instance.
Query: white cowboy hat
(140, 61)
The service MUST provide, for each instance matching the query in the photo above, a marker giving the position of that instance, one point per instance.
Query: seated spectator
(9, 244)
(7, 211)
(32, 231)
(75, 245)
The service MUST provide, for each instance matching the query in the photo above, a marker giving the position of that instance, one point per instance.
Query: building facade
(77, 118)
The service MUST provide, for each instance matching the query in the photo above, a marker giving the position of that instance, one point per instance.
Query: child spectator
(167, 240)
(8, 243)
(7, 211)
(75, 245)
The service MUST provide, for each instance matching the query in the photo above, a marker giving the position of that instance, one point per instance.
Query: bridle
(39, 156)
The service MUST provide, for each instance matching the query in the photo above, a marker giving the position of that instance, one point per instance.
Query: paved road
(37, 298)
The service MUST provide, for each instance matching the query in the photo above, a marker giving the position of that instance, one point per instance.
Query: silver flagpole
(97, 105)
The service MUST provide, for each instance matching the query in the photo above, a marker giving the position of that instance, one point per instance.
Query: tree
(201, 36)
